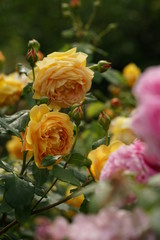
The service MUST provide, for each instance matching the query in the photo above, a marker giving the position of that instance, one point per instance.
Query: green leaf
(18, 192)
(4, 165)
(28, 94)
(21, 121)
(79, 160)
(80, 175)
(4, 207)
(84, 206)
(114, 77)
(98, 143)
(16, 122)
(97, 78)
(65, 175)
(40, 175)
(39, 191)
(89, 98)
(94, 109)
(22, 214)
(43, 100)
(49, 160)
(7, 127)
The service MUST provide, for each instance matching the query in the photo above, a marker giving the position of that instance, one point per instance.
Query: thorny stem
(72, 195)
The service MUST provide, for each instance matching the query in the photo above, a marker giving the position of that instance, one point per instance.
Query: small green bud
(76, 114)
(34, 44)
(103, 66)
(104, 120)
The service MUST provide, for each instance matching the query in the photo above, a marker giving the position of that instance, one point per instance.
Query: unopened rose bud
(40, 55)
(77, 115)
(114, 90)
(75, 3)
(103, 66)
(34, 44)
(32, 57)
(104, 120)
(115, 102)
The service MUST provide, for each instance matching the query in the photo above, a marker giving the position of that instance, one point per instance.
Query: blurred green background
(135, 39)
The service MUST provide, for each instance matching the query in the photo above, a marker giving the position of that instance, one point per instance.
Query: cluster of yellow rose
(64, 79)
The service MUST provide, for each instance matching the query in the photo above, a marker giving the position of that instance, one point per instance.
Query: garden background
(135, 39)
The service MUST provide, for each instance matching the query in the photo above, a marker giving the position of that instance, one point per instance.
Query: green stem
(46, 192)
(33, 71)
(73, 146)
(54, 182)
(72, 195)
(24, 163)
(91, 18)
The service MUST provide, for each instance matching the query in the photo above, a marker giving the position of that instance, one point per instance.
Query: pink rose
(131, 158)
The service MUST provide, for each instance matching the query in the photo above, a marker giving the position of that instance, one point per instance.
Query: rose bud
(104, 120)
(77, 115)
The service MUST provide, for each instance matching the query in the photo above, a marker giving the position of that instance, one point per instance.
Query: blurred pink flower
(146, 125)
(52, 231)
(108, 224)
(146, 119)
(132, 159)
(148, 84)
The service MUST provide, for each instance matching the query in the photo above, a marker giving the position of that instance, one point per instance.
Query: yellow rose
(62, 77)
(120, 128)
(74, 202)
(131, 73)
(48, 133)
(14, 147)
(2, 57)
(99, 157)
(10, 89)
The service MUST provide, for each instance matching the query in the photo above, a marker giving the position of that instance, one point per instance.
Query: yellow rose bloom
(2, 57)
(120, 128)
(99, 157)
(62, 77)
(11, 88)
(48, 133)
(74, 202)
(131, 73)
(14, 147)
